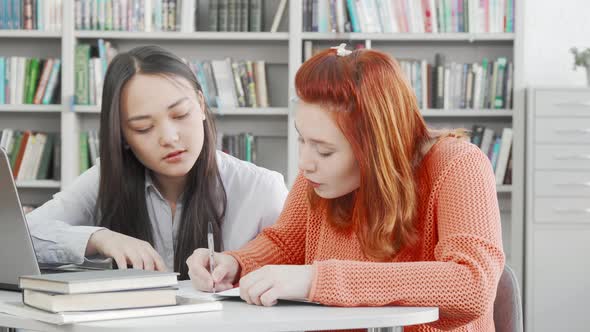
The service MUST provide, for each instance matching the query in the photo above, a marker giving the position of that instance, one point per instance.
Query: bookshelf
(283, 53)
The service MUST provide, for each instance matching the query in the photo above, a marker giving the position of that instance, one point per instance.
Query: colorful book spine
(52, 83)
(2, 75)
(31, 88)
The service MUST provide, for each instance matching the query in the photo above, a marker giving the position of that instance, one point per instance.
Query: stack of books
(99, 290)
(63, 298)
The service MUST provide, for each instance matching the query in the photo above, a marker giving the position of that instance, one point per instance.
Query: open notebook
(185, 289)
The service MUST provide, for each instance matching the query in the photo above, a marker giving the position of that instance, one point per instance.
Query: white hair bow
(341, 50)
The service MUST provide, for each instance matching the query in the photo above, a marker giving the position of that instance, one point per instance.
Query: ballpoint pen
(211, 246)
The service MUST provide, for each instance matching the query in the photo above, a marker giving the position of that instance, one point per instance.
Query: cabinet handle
(571, 210)
(574, 184)
(573, 157)
(583, 131)
(575, 103)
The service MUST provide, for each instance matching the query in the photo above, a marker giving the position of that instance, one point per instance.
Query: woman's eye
(143, 130)
(325, 154)
(182, 116)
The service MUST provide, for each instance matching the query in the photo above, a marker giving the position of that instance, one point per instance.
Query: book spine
(214, 14)
(27, 80)
(251, 85)
(43, 81)
(82, 75)
(244, 16)
(83, 152)
(2, 75)
(241, 99)
(43, 171)
(52, 84)
(109, 15)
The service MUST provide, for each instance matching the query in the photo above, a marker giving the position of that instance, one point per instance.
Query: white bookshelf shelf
(86, 109)
(467, 37)
(30, 108)
(504, 188)
(93, 109)
(34, 184)
(204, 35)
(29, 34)
(443, 113)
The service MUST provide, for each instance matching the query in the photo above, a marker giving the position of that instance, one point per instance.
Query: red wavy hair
(376, 110)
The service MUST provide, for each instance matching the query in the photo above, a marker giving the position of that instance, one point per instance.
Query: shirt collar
(149, 183)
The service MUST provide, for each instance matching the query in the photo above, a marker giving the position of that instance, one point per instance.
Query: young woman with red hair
(384, 210)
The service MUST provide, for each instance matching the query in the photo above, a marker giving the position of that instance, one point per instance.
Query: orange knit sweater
(456, 265)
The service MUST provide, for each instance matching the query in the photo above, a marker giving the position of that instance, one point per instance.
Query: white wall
(551, 28)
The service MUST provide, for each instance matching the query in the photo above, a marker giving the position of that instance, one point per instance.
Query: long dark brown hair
(121, 204)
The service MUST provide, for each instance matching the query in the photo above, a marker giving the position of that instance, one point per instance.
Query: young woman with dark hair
(159, 181)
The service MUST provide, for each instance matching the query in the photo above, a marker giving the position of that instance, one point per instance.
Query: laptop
(17, 254)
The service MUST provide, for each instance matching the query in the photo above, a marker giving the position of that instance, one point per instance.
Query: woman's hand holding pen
(125, 250)
(224, 276)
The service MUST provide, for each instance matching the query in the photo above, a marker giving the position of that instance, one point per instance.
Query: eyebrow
(317, 141)
(171, 106)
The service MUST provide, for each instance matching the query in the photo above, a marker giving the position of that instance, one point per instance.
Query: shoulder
(455, 156)
(239, 174)
(87, 181)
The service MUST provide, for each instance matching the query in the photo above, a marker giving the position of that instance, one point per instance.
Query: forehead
(316, 122)
(144, 92)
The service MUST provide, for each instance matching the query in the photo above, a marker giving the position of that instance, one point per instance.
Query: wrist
(238, 272)
(91, 246)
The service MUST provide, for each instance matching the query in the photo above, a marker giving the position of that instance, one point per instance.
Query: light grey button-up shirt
(61, 227)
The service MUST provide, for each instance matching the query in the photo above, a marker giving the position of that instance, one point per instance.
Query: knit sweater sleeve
(283, 242)
(469, 259)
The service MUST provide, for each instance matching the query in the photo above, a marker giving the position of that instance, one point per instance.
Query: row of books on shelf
(128, 15)
(166, 15)
(229, 83)
(498, 147)
(239, 15)
(90, 65)
(29, 80)
(242, 146)
(33, 155)
(452, 85)
(413, 16)
(225, 83)
(89, 149)
(39, 15)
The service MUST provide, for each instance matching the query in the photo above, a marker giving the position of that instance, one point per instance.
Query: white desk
(239, 316)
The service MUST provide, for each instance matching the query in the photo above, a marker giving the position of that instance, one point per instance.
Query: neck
(170, 187)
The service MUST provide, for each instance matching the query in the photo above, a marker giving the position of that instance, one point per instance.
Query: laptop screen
(17, 255)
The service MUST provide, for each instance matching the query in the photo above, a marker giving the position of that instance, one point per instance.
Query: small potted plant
(582, 59)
